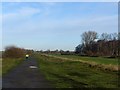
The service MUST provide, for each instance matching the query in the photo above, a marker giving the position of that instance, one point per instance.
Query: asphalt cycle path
(25, 75)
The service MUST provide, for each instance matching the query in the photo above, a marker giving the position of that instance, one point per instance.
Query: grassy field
(74, 74)
(8, 64)
(100, 60)
(96, 62)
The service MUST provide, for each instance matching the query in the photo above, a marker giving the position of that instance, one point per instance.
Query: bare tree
(114, 36)
(106, 45)
(105, 36)
(89, 37)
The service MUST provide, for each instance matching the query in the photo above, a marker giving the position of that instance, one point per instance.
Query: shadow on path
(26, 75)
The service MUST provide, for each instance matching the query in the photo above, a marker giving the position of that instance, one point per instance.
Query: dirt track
(25, 76)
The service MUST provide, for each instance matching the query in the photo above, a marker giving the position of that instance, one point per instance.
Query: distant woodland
(93, 44)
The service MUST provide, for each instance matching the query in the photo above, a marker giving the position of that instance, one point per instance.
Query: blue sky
(53, 25)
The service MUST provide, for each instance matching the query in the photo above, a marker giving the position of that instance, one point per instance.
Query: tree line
(93, 44)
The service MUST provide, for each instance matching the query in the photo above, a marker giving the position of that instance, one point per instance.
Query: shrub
(13, 52)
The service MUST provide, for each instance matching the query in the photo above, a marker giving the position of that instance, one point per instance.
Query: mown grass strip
(74, 74)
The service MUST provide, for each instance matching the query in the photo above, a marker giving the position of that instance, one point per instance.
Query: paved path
(26, 75)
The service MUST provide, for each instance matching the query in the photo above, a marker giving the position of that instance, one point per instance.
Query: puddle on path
(32, 67)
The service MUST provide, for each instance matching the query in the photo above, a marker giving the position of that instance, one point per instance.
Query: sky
(55, 25)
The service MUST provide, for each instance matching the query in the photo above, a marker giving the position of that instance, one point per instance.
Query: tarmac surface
(25, 75)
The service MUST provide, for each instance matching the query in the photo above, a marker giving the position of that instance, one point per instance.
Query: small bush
(13, 52)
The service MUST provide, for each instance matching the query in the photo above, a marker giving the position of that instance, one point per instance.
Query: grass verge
(9, 63)
(74, 74)
(0, 66)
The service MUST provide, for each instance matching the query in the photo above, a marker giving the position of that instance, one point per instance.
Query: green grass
(100, 60)
(74, 74)
(0, 66)
(8, 64)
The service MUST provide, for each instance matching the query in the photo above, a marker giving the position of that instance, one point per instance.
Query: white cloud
(23, 12)
(69, 24)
